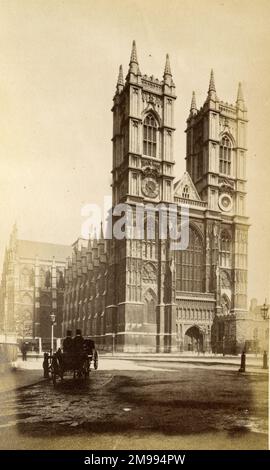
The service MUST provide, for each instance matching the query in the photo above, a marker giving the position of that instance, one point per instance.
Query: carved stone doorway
(193, 340)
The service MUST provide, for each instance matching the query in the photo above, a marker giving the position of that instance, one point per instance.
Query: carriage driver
(78, 342)
(68, 342)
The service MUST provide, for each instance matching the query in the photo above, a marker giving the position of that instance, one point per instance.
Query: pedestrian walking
(24, 351)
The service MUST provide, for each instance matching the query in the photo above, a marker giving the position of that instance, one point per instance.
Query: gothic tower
(143, 172)
(216, 162)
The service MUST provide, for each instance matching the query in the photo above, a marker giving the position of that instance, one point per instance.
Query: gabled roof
(180, 185)
(44, 251)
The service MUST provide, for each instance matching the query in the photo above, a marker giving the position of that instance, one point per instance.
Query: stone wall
(8, 351)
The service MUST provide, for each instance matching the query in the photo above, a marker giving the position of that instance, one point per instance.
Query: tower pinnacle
(240, 96)
(212, 95)
(133, 64)
(133, 56)
(193, 107)
(120, 80)
(167, 70)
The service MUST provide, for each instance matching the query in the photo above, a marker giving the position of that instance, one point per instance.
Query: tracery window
(200, 164)
(189, 265)
(225, 249)
(150, 136)
(185, 192)
(225, 156)
(26, 278)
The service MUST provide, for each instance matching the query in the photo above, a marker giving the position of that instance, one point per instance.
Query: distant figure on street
(68, 342)
(24, 351)
(78, 342)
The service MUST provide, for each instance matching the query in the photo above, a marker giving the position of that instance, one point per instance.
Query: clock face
(150, 187)
(225, 202)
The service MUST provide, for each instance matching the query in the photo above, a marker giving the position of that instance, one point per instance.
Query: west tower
(216, 160)
(138, 310)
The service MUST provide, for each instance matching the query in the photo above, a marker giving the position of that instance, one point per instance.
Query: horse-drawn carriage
(78, 363)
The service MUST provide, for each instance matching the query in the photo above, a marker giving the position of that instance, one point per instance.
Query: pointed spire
(212, 88)
(120, 80)
(167, 70)
(133, 56)
(134, 64)
(212, 82)
(240, 96)
(95, 242)
(193, 107)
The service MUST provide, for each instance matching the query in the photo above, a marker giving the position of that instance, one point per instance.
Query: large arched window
(189, 265)
(225, 156)
(150, 136)
(26, 278)
(225, 249)
(225, 305)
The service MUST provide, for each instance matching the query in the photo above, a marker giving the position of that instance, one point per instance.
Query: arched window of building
(150, 240)
(225, 305)
(150, 136)
(200, 164)
(60, 279)
(189, 264)
(225, 249)
(185, 192)
(26, 278)
(225, 156)
(42, 277)
(48, 279)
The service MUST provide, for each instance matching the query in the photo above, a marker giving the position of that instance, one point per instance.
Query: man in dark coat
(78, 342)
(68, 342)
(24, 351)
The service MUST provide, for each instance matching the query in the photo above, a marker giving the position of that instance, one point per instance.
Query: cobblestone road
(184, 405)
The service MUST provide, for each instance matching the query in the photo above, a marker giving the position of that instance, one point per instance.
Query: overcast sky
(58, 67)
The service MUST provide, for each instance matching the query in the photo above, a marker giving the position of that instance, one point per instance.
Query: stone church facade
(139, 294)
(32, 288)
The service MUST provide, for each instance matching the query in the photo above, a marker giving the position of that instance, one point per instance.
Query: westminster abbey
(138, 294)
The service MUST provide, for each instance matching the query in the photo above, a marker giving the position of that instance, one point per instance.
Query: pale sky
(58, 67)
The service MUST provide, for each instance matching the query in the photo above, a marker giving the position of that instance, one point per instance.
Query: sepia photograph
(135, 228)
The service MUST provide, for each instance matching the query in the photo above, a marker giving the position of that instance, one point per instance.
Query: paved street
(137, 405)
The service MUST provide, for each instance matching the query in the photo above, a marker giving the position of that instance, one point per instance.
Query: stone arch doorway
(193, 340)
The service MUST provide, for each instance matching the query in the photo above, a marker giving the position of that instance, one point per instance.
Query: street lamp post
(53, 322)
(113, 343)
